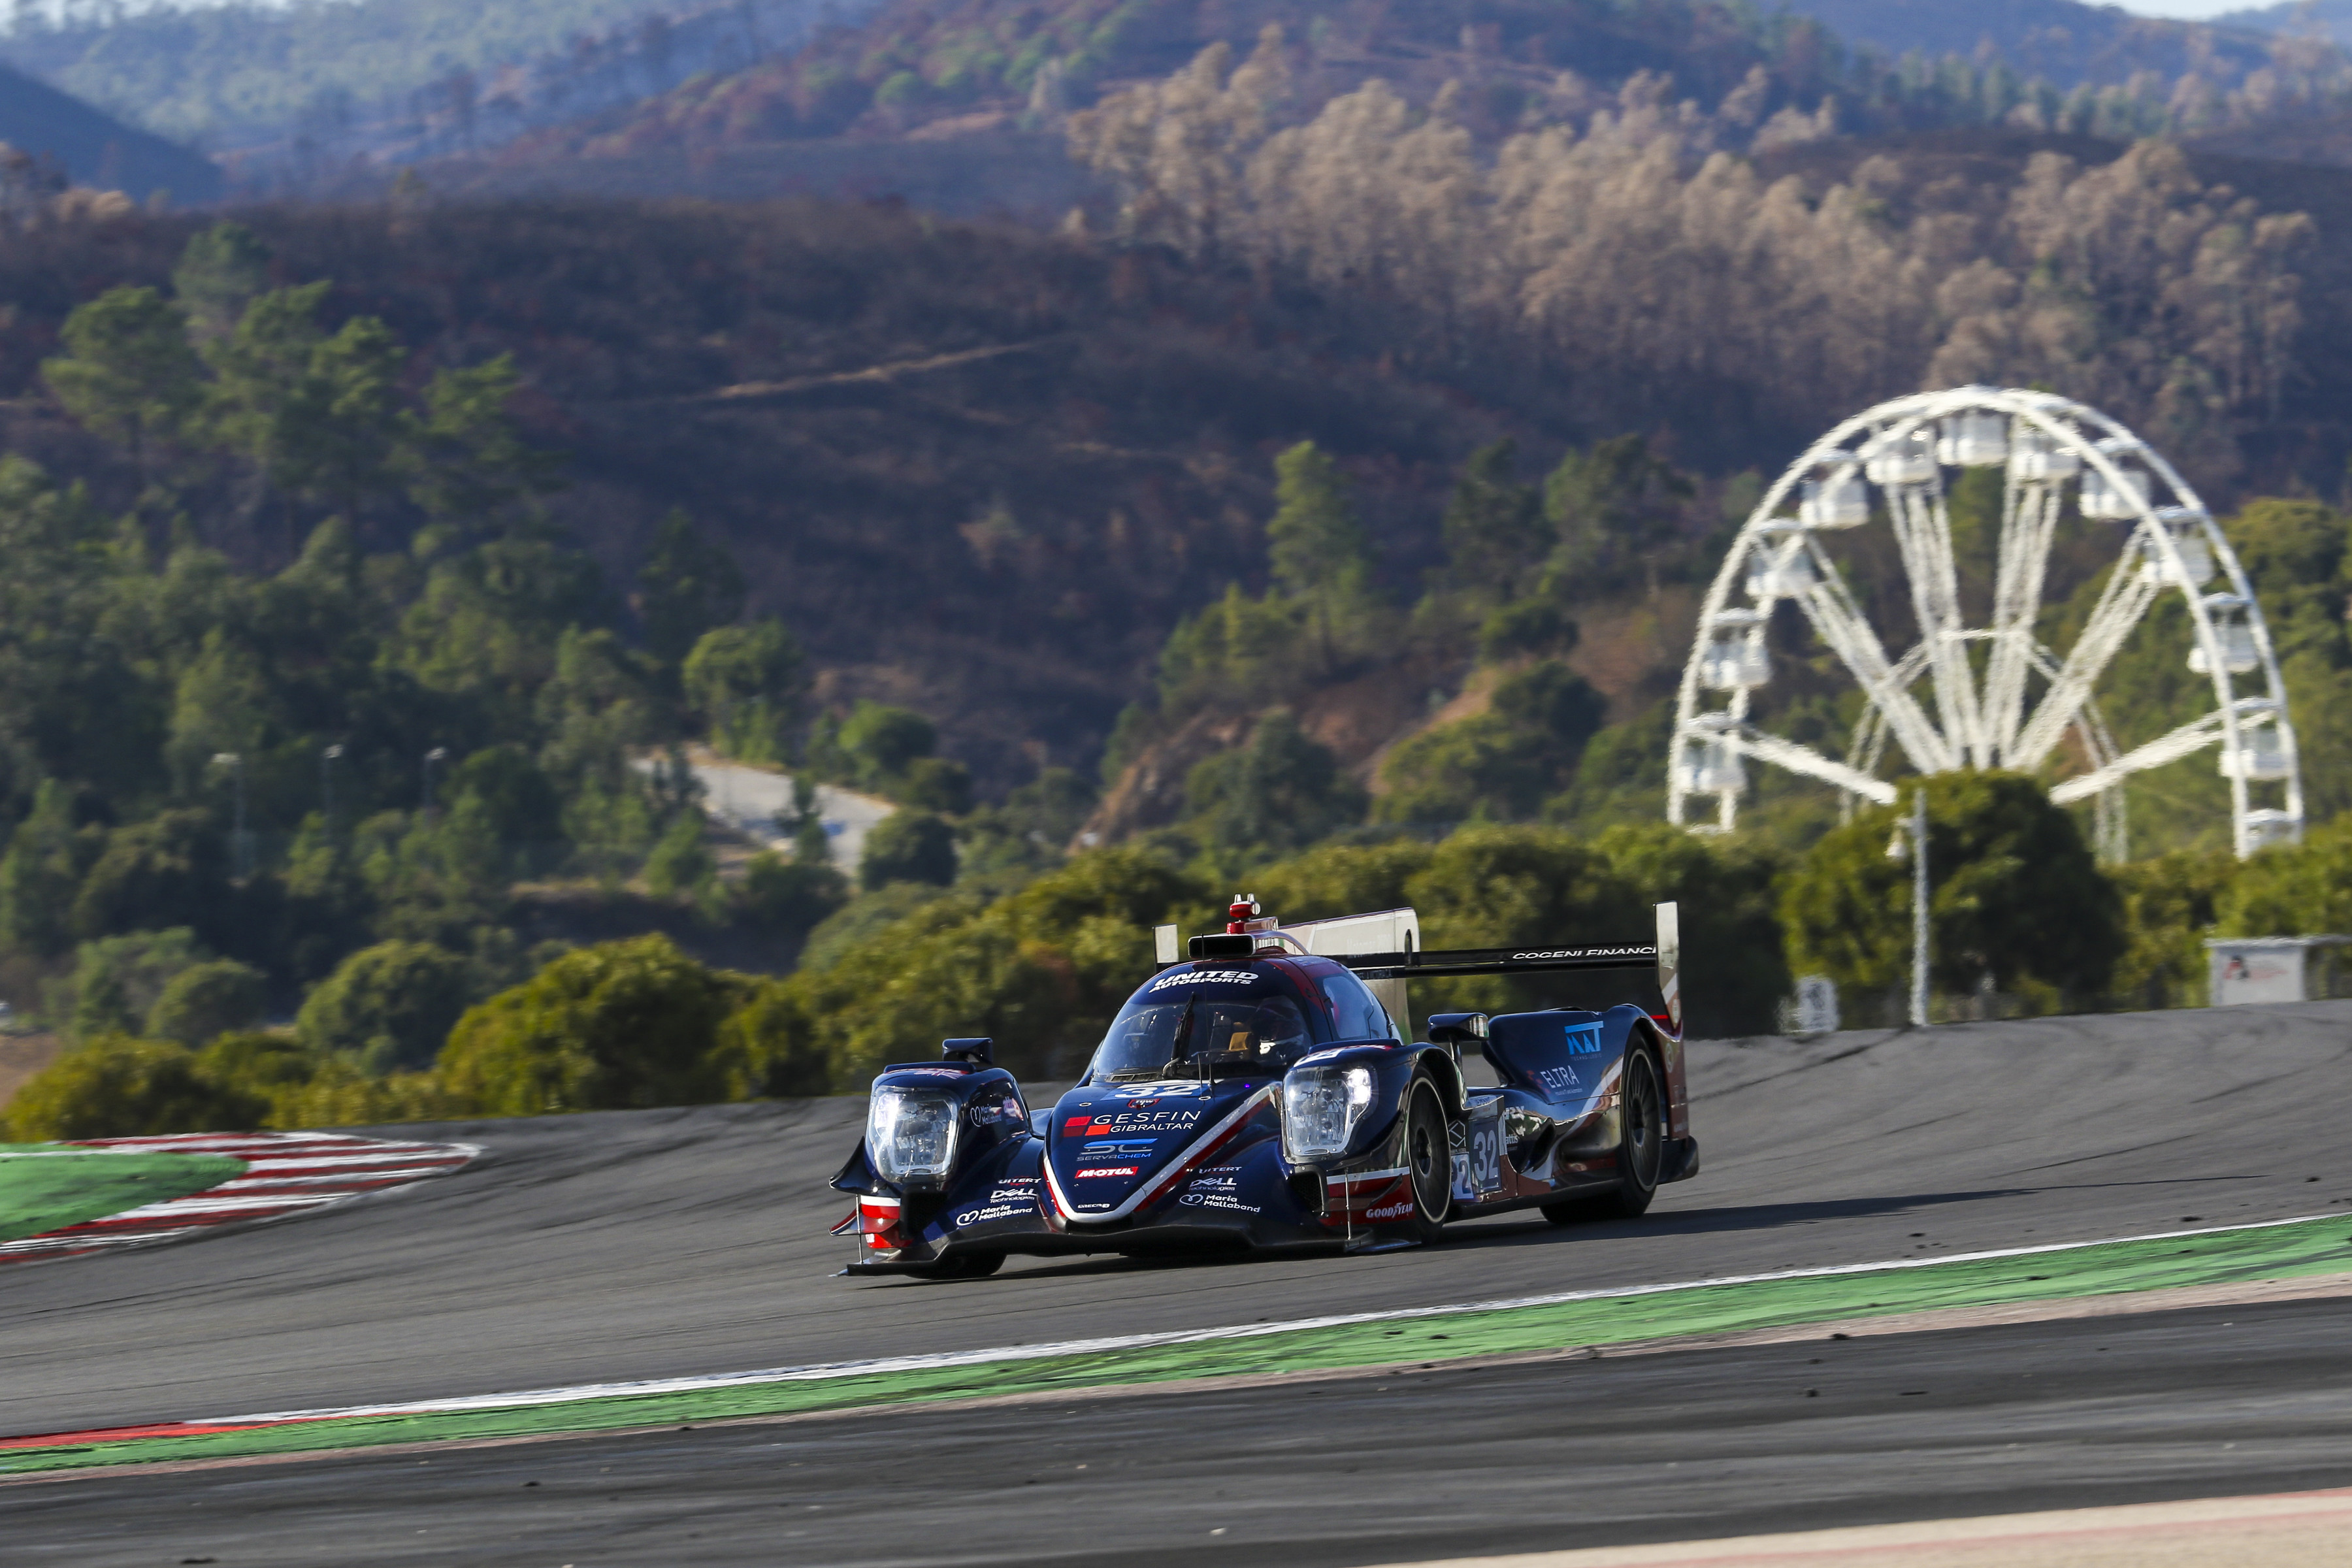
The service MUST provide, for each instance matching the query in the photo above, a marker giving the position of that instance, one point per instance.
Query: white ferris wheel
(1987, 695)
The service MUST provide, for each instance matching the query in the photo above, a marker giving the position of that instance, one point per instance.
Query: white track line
(946, 1359)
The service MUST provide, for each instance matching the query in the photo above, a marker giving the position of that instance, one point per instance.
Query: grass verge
(49, 1187)
(1424, 1338)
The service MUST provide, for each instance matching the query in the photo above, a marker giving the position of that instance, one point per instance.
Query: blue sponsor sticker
(1118, 1149)
(1583, 1039)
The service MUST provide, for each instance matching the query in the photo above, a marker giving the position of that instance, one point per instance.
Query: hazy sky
(2187, 8)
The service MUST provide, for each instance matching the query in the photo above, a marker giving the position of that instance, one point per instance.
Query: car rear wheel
(1428, 1159)
(1641, 1149)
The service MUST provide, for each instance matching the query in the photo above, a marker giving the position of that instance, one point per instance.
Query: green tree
(2171, 904)
(1280, 791)
(1501, 764)
(1319, 557)
(1033, 826)
(878, 743)
(789, 895)
(128, 371)
(907, 846)
(1494, 529)
(219, 271)
(749, 683)
(686, 587)
(681, 862)
(118, 1087)
(45, 860)
(169, 870)
(117, 980)
(389, 1007)
(622, 1023)
(2016, 896)
(465, 458)
(208, 1000)
(1612, 505)
(2292, 890)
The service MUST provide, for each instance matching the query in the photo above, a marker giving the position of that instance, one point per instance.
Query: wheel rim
(1644, 1130)
(1425, 1158)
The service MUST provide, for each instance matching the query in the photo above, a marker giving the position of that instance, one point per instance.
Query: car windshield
(1184, 1037)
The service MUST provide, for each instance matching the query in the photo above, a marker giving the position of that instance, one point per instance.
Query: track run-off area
(1723, 1367)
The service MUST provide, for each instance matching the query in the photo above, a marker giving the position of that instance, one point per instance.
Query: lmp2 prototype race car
(1260, 1096)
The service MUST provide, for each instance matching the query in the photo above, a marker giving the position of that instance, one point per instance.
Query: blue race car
(1260, 1096)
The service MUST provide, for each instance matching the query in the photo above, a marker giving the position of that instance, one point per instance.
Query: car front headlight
(910, 1135)
(1320, 1108)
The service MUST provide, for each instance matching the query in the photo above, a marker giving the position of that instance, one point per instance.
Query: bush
(789, 895)
(1282, 790)
(118, 980)
(681, 862)
(1499, 764)
(907, 846)
(118, 1087)
(389, 1007)
(2017, 895)
(622, 1023)
(207, 1000)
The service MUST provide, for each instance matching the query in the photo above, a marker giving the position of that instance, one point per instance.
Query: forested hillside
(293, 93)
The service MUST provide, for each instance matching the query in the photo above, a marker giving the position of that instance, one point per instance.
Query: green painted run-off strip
(49, 1187)
(2320, 1246)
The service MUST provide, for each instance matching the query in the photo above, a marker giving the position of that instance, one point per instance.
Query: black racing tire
(1428, 1159)
(1641, 1148)
(962, 1265)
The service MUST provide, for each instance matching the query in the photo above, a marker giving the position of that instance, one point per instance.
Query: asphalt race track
(647, 1244)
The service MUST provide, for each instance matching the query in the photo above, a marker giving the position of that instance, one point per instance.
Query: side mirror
(1039, 1120)
(979, 1052)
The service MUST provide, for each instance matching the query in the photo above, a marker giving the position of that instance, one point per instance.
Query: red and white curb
(285, 1173)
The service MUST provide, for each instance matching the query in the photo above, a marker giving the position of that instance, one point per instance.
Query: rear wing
(1385, 951)
(1666, 952)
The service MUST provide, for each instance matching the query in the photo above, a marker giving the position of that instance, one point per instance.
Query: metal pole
(327, 785)
(424, 791)
(240, 850)
(1919, 907)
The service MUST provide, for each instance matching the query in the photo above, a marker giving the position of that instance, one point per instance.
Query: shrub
(789, 895)
(389, 1007)
(907, 846)
(2017, 895)
(118, 1087)
(621, 1023)
(680, 861)
(118, 980)
(207, 1000)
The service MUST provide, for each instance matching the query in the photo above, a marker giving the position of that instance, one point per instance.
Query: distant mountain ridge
(98, 149)
(2061, 41)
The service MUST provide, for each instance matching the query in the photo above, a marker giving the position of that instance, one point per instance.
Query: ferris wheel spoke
(1839, 622)
(2185, 742)
(2029, 520)
(1923, 530)
(1802, 759)
(2127, 597)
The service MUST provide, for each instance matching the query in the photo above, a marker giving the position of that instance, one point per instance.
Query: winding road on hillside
(665, 1243)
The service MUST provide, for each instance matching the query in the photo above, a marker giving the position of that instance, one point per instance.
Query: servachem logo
(1583, 1039)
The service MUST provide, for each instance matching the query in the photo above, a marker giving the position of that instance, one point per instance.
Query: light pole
(425, 795)
(1916, 850)
(240, 852)
(327, 785)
